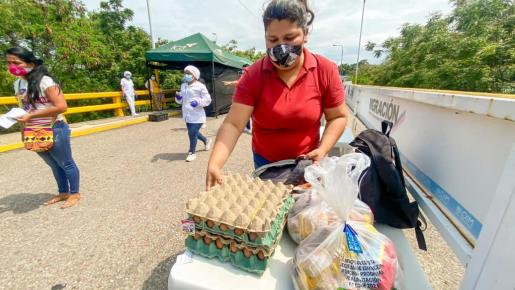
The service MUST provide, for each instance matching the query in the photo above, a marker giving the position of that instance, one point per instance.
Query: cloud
(336, 21)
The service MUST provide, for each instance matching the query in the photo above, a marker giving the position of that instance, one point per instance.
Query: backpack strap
(397, 159)
(386, 127)
(419, 235)
(421, 222)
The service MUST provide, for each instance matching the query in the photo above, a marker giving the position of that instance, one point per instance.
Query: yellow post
(118, 100)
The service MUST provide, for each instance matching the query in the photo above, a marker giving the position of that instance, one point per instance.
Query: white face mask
(153, 78)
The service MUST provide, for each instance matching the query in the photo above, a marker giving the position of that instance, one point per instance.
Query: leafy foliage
(473, 49)
(251, 54)
(86, 52)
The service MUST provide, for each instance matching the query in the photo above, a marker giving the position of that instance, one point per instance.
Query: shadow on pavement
(169, 156)
(23, 202)
(159, 277)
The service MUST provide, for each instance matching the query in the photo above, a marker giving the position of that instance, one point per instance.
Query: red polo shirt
(286, 121)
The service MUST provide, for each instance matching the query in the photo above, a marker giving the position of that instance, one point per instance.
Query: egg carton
(253, 260)
(234, 245)
(251, 238)
(241, 204)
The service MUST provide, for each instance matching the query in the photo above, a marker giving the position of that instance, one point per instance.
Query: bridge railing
(117, 104)
(458, 156)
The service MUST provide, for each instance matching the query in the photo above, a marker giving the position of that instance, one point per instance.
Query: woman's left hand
(24, 119)
(316, 155)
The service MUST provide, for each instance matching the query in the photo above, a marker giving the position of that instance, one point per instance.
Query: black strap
(386, 127)
(397, 159)
(421, 241)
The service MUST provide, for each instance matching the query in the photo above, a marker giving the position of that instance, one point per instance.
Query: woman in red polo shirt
(286, 92)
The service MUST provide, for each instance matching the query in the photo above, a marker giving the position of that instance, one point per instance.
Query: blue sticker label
(352, 240)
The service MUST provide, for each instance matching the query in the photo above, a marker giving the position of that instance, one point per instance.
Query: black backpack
(382, 186)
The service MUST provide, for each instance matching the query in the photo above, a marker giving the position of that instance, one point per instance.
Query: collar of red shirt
(309, 61)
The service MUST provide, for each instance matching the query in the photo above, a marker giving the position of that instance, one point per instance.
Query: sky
(336, 21)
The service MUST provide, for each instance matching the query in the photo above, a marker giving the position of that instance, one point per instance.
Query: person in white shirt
(194, 97)
(43, 100)
(128, 91)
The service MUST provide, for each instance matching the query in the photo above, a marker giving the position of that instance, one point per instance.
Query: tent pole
(213, 88)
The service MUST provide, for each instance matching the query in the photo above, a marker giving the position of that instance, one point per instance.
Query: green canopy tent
(215, 64)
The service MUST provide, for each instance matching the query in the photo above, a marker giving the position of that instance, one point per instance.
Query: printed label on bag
(352, 240)
(361, 273)
(188, 226)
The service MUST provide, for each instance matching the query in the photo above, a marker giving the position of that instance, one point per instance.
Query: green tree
(252, 54)
(473, 49)
(85, 52)
(366, 75)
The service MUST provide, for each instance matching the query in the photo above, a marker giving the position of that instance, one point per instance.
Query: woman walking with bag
(45, 129)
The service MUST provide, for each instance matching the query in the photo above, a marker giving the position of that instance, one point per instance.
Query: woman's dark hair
(292, 10)
(35, 76)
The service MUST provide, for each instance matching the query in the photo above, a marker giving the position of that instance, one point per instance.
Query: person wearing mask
(43, 100)
(158, 100)
(194, 97)
(286, 92)
(128, 91)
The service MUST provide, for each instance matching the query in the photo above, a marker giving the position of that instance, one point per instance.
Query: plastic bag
(347, 254)
(310, 213)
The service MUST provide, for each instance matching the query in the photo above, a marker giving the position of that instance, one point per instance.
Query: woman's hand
(24, 119)
(316, 155)
(213, 177)
(226, 139)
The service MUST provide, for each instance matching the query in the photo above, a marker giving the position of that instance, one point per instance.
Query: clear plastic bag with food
(348, 254)
(310, 212)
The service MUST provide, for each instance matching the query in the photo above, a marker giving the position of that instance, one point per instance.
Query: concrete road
(125, 233)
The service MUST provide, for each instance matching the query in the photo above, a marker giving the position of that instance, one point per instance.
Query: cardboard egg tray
(240, 221)
(250, 259)
(243, 208)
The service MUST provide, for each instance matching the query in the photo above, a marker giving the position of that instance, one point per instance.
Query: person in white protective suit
(128, 91)
(194, 97)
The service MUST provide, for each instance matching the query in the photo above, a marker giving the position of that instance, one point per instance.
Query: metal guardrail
(117, 104)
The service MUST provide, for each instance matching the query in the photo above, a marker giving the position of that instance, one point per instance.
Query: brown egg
(207, 240)
(210, 223)
(234, 247)
(224, 227)
(196, 237)
(247, 252)
(253, 237)
(238, 232)
(197, 219)
(219, 243)
(261, 255)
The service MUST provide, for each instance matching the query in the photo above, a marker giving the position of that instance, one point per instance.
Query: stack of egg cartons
(240, 221)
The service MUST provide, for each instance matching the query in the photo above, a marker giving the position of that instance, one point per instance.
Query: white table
(210, 274)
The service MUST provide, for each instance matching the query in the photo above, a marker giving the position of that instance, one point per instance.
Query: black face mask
(284, 54)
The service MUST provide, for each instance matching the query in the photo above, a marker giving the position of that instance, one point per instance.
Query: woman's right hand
(213, 177)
